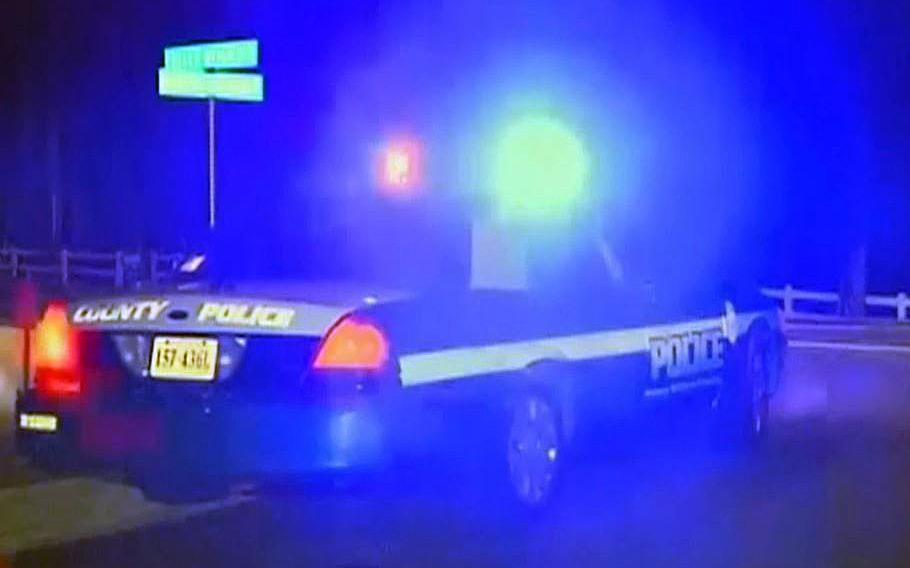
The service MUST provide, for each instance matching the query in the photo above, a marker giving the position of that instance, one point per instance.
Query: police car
(191, 389)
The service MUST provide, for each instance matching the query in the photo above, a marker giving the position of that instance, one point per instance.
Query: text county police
(239, 314)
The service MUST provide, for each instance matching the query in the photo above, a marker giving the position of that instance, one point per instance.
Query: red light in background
(353, 345)
(397, 167)
(400, 168)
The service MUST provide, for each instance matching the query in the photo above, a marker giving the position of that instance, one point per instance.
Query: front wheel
(533, 450)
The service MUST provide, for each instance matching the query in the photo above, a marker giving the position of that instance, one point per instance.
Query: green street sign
(198, 72)
(245, 87)
(240, 54)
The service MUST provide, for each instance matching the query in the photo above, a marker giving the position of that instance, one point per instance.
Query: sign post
(211, 163)
(198, 72)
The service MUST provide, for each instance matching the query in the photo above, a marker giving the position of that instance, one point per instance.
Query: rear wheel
(165, 483)
(743, 405)
(758, 406)
(189, 464)
(533, 450)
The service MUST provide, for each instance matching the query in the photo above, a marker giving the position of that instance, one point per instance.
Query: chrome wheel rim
(533, 450)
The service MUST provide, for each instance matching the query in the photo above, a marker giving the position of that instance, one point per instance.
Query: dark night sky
(777, 133)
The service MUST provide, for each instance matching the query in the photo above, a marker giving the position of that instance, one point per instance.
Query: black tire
(189, 466)
(163, 483)
(533, 450)
(742, 415)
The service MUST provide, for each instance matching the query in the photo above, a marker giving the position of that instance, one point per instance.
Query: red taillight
(56, 353)
(353, 344)
(54, 340)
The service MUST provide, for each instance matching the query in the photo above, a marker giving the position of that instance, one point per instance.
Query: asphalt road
(831, 488)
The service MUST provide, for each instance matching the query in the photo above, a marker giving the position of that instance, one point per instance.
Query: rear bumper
(217, 437)
(285, 438)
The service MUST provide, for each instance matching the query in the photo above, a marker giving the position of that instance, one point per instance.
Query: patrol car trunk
(134, 375)
(190, 345)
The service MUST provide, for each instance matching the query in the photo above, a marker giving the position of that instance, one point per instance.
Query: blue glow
(695, 117)
(540, 170)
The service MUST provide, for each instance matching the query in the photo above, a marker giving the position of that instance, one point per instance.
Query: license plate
(184, 358)
(38, 422)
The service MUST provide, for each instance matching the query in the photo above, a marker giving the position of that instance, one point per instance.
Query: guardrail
(118, 269)
(122, 269)
(790, 295)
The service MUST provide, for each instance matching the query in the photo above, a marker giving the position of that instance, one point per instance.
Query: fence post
(901, 307)
(788, 299)
(118, 269)
(64, 267)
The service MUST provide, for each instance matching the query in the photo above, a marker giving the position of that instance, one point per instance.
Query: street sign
(198, 72)
(245, 87)
(241, 54)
